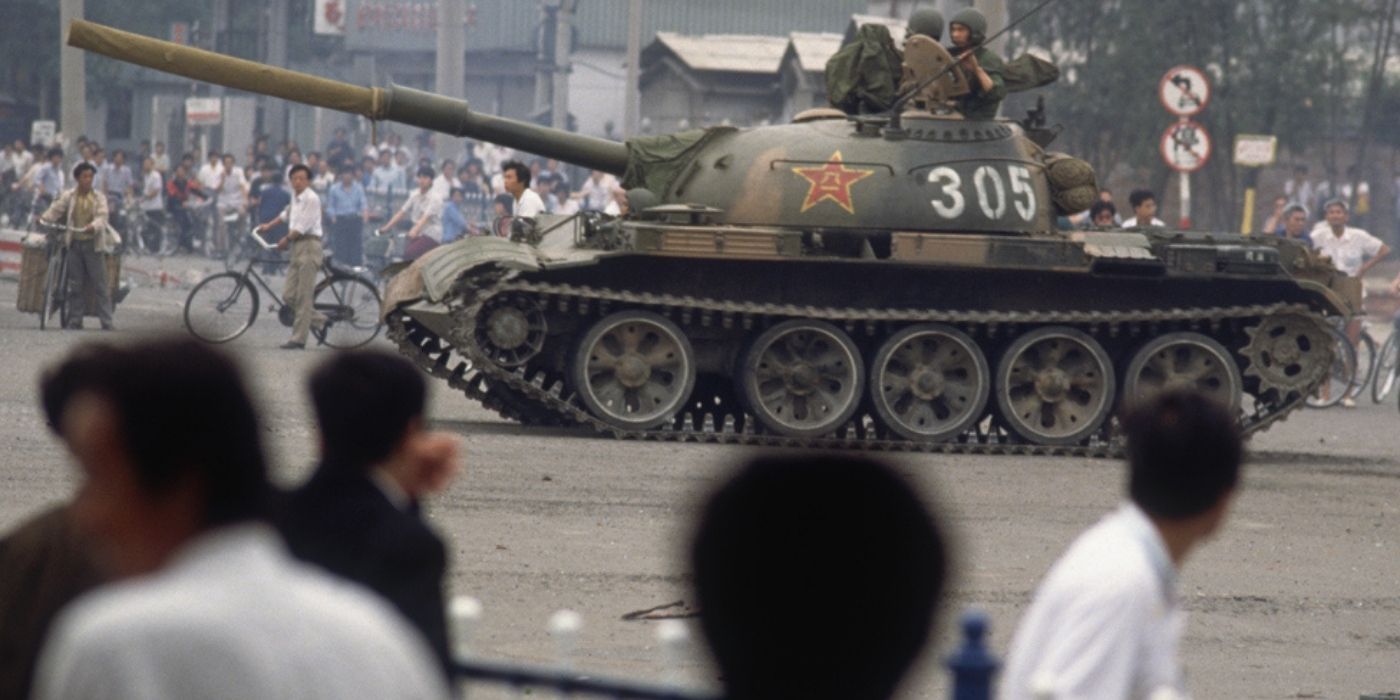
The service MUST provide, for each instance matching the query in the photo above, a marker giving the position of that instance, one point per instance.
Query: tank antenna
(898, 107)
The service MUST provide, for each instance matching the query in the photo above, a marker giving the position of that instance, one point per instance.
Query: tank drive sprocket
(1287, 352)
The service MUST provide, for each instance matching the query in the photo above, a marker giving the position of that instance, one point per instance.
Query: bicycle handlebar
(58, 227)
(260, 240)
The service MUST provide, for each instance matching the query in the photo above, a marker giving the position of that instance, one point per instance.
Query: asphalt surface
(1298, 598)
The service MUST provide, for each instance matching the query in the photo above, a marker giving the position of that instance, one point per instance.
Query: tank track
(540, 398)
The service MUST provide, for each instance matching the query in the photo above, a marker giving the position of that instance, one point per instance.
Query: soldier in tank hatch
(968, 30)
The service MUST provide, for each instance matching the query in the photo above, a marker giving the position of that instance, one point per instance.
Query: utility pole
(72, 75)
(544, 55)
(274, 110)
(451, 49)
(563, 57)
(631, 116)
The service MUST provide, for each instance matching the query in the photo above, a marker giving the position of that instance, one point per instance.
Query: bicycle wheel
(351, 306)
(55, 281)
(1337, 383)
(1386, 368)
(1365, 364)
(221, 307)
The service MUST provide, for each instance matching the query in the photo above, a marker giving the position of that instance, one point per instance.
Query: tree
(1283, 67)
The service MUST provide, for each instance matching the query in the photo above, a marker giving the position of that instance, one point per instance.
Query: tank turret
(925, 172)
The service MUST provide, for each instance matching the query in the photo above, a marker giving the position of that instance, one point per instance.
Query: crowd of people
(363, 188)
(178, 571)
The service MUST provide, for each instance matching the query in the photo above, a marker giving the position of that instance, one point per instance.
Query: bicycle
(1354, 366)
(56, 279)
(223, 306)
(1387, 366)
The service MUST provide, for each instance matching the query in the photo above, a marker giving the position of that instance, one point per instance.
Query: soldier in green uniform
(985, 69)
(926, 21)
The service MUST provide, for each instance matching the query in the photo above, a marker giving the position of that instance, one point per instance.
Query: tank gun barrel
(395, 103)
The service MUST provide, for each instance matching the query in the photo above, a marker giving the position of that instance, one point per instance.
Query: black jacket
(346, 525)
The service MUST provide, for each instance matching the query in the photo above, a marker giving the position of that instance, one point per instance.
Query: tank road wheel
(1184, 361)
(511, 330)
(634, 370)
(1055, 385)
(802, 378)
(930, 382)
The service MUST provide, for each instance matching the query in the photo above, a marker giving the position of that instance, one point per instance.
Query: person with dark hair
(984, 68)
(1295, 224)
(348, 210)
(1105, 622)
(359, 515)
(47, 179)
(267, 198)
(179, 190)
(424, 209)
(1144, 205)
(45, 562)
(526, 203)
(303, 219)
(817, 578)
(89, 239)
(174, 499)
(1102, 215)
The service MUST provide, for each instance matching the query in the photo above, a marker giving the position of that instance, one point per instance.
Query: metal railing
(972, 666)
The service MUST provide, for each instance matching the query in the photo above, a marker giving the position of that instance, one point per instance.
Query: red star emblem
(832, 181)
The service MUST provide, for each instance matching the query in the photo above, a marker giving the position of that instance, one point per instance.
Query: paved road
(1299, 598)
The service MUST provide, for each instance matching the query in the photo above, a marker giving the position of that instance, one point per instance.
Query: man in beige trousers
(303, 219)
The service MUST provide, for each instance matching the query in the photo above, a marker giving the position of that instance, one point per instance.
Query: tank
(866, 282)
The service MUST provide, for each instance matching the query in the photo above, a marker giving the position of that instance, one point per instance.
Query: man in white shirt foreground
(517, 183)
(303, 219)
(1105, 622)
(210, 604)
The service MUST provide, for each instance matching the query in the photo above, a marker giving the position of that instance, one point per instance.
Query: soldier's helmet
(926, 21)
(974, 20)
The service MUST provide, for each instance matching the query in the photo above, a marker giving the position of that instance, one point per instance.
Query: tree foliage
(1297, 69)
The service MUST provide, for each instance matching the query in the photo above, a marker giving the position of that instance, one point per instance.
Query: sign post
(1253, 151)
(1186, 146)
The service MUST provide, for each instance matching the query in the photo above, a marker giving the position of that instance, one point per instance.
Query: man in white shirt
(423, 208)
(152, 187)
(231, 198)
(209, 176)
(1144, 205)
(208, 603)
(303, 219)
(1352, 250)
(161, 158)
(1106, 622)
(597, 190)
(516, 179)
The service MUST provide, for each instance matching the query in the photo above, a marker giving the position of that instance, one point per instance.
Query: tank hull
(723, 306)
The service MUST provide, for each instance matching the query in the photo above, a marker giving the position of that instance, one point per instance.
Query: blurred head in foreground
(817, 577)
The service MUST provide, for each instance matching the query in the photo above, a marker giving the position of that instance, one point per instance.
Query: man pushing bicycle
(303, 218)
(88, 238)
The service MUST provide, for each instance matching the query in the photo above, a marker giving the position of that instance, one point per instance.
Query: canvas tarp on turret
(655, 162)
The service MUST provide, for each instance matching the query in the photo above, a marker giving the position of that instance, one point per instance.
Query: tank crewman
(926, 21)
(985, 69)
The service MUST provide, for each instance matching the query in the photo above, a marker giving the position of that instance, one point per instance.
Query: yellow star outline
(831, 182)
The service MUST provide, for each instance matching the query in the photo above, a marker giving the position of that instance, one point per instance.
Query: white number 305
(990, 190)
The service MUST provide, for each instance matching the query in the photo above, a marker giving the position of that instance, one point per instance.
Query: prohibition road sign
(1186, 146)
(1185, 91)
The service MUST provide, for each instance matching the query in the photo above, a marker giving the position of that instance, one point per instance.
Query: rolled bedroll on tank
(891, 281)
